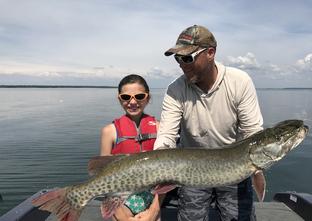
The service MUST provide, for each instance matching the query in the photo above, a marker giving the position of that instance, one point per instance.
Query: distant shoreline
(54, 86)
(90, 86)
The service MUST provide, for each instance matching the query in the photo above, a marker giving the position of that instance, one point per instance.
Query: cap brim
(182, 50)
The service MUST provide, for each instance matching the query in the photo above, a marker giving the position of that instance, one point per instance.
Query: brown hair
(133, 78)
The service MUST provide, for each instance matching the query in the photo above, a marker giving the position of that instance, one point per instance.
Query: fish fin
(259, 184)
(109, 206)
(97, 163)
(163, 188)
(55, 202)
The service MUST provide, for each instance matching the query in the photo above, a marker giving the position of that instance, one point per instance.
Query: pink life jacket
(131, 139)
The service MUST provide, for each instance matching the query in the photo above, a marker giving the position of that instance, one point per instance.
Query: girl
(131, 133)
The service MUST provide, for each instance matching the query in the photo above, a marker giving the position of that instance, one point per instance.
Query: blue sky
(97, 42)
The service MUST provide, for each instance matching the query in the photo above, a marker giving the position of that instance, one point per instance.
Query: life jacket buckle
(141, 137)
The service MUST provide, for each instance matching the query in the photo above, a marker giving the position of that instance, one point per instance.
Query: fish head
(272, 144)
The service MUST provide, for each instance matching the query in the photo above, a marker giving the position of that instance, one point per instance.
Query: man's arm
(169, 126)
(248, 111)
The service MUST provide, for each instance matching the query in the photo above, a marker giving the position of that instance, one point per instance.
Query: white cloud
(57, 39)
(247, 61)
(159, 73)
(267, 71)
(275, 68)
(41, 70)
(25, 73)
(305, 63)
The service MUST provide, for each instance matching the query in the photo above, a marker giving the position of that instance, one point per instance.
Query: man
(209, 106)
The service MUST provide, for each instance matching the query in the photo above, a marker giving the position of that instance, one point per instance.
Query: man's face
(194, 70)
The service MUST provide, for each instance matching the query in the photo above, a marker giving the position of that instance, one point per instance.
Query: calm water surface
(47, 136)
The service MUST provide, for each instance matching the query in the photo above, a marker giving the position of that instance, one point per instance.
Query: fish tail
(55, 201)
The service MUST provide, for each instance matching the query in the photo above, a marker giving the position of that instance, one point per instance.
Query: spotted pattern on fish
(196, 167)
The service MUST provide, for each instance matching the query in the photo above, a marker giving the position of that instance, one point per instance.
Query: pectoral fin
(111, 203)
(163, 188)
(259, 184)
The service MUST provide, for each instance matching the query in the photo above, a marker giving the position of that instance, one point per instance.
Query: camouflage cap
(191, 39)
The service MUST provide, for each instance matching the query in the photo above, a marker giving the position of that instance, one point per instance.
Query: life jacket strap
(138, 138)
(142, 137)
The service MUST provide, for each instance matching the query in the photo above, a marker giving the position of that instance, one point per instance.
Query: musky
(96, 42)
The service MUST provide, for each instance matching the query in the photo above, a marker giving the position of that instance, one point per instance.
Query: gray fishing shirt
(228, 112)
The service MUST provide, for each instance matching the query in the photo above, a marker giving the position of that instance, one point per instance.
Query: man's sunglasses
(188, 59)
(137, 97)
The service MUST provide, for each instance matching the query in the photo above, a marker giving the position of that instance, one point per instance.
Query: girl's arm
(108, 137)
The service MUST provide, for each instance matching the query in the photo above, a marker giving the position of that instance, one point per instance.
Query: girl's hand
(151, 214)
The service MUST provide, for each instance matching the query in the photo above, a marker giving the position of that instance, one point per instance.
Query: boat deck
(267, 211)
(290, 206)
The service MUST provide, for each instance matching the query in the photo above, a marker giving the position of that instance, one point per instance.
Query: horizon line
(108, 86)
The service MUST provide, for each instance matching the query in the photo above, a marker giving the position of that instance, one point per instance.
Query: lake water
(47, 136)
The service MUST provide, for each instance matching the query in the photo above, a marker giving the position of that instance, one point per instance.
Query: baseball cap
(191, 39)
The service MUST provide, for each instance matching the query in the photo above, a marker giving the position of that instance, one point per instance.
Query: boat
(292, 206)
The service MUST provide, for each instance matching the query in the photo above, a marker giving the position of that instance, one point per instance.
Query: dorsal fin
(97, 163)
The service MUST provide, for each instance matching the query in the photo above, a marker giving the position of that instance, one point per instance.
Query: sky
(97, 42)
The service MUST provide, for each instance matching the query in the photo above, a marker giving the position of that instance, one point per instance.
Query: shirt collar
(216, 85)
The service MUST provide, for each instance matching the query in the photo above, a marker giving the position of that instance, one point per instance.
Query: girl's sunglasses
(137, 97)
(188, 59)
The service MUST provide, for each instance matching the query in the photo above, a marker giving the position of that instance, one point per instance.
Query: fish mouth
(304, 130)
(302, 133)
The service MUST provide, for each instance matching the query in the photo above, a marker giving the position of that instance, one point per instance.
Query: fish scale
(196, 167)
(172, 166)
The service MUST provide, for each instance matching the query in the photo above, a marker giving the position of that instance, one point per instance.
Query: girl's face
(133, 98)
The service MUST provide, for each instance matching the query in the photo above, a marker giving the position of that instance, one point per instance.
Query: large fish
(197, 167)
